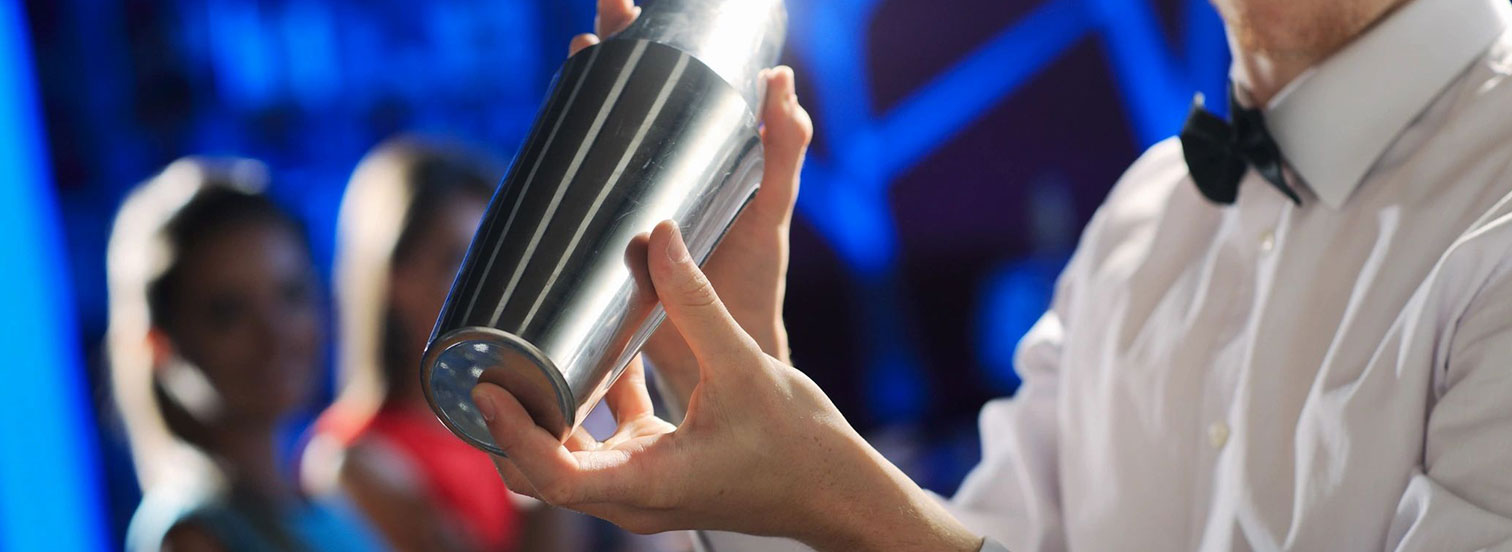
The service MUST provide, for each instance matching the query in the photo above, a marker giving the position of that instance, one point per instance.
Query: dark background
(961, 145)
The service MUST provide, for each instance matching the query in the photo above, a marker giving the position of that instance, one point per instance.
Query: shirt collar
(1334, 121)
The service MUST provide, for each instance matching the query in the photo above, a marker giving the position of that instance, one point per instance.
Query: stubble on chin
(1292, 30)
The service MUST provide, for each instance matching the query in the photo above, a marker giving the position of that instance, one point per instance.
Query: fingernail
(676, 249)
(485, 404)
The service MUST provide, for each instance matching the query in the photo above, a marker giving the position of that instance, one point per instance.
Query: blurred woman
(406, 220)
(215, 339)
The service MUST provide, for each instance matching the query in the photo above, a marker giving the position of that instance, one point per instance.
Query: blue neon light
(246, 66)
(845, 193)
(932, 116)
(49, 472)
(310, 46)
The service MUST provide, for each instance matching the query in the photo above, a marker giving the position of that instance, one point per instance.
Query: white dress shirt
(1266, 376)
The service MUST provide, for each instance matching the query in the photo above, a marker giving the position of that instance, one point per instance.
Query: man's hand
(749, 268)
(762, 450)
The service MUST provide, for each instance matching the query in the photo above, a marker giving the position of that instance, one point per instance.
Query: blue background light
(49, 471)
(845, 191)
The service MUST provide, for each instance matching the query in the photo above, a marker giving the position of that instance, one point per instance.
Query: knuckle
(524, 488)
(517, 484)
(697, 292)
(504, 472)
(805, 126)
(556, 493)
(507, 445)
(796, 130)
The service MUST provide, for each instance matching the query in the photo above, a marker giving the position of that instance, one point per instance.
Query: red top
(461, 480)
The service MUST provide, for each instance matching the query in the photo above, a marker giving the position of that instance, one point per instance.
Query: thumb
(691, 303)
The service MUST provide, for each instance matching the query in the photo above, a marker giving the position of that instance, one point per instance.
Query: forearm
(877, 507)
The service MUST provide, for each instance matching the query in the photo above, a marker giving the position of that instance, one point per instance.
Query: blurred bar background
(961, 145)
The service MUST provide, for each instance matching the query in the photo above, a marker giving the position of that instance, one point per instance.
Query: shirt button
(1218, 434)
(1267, 241)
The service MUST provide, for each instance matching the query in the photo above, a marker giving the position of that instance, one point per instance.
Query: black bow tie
(1218, 153)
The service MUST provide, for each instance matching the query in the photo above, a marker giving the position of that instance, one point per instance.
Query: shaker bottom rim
(477, 354)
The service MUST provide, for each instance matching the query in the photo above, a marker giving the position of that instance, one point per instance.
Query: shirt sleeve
(1012, 496)
(1461, 497)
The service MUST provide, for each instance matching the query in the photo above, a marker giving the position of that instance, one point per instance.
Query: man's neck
(1263, 75)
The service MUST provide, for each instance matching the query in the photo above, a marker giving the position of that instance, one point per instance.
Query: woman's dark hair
(218, 206)
(163, 222)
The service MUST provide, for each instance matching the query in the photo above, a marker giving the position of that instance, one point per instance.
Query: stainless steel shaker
(658, 122)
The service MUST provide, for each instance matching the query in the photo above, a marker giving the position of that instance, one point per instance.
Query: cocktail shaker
(553, 300)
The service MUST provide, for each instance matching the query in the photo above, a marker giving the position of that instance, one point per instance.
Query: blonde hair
(383, 205)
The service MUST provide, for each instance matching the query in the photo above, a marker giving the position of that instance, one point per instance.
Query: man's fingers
(786, 133)
(557, 476)
(614, 16)
(649, 426)
(691, 303)
(513, 479)
(631, 517)
(581, 41)
(628, 399)
(580, 439)
(538, 455)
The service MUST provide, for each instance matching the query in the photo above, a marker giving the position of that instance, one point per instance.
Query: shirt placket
(1246, 253)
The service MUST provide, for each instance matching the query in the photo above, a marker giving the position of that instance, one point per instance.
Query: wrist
(874, 506)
